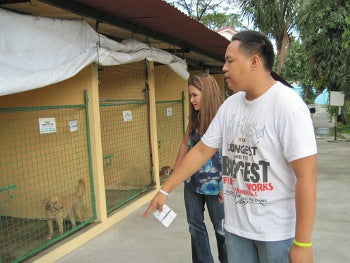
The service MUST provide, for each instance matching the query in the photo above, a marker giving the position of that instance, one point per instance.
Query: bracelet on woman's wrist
(299, 244)
(163, 192)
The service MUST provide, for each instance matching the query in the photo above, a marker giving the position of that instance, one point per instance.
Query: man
(268, 164)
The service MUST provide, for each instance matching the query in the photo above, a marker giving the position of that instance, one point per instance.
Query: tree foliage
(276, 18)
(325, 32)
(346, 34)
(212, 13)
(220, 20)
(297, 69)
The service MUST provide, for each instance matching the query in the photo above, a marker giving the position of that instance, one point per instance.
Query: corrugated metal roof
(164, 19)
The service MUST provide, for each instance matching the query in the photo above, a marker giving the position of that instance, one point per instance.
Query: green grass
(343, 128)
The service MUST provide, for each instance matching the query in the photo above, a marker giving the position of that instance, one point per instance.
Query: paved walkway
(147, 241)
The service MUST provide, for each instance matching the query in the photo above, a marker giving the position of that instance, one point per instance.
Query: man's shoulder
(286, 100)
(232, 102)
(286, 96)
(235, 97)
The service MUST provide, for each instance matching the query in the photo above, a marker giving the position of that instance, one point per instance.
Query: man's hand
(301, 254)
(156, 204)
(191, 163)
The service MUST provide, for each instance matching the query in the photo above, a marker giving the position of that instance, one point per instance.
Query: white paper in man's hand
(166, 216)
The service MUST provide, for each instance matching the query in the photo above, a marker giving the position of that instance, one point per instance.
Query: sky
(234, 8)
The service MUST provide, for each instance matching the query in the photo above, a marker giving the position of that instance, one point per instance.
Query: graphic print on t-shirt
(245, 174)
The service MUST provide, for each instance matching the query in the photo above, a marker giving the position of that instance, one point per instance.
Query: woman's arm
(183, 148)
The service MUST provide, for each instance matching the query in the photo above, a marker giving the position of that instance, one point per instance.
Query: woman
(205, 185)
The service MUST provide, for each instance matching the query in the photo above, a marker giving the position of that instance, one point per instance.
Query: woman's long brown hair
(210, 102)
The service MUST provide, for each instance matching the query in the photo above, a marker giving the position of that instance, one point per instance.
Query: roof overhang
(153, 22)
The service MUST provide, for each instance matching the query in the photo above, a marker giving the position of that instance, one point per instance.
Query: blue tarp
(323, 98)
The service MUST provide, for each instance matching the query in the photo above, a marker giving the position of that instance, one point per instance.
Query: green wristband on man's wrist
(299, 244)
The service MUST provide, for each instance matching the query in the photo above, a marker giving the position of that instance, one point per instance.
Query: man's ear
(255, 61)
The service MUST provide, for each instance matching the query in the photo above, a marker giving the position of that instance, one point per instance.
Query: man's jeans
(199, 236)
(242, 250)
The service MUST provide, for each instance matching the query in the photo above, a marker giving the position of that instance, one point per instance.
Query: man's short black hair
(253, 42)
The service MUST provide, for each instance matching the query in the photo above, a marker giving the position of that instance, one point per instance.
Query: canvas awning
(36, 51)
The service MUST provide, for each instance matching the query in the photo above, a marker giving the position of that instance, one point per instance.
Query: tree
(297, 69)
(220, 20)
(346, 34)
(325, 29)
(212, 13)
(276, 19)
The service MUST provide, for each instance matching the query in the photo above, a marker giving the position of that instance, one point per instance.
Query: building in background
(227, 32)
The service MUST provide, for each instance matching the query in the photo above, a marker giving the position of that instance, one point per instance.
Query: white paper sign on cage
(169, 112)
(127, 115)
(47, 125)
(73, 125)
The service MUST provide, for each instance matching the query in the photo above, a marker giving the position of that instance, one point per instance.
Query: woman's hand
(221, 196)
(156, 204)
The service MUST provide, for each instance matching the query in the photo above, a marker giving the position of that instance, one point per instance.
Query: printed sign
(47, 125)
(336, 98)
(127, 115)
(169, 112)
(73, 125)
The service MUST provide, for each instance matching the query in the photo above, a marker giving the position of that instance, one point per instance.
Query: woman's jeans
(243, 250)
(199, 236)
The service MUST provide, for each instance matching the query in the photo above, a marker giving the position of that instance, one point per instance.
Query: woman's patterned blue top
(207, 180)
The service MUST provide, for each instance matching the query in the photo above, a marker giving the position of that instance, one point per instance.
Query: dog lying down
(58, 209)
(165, 171)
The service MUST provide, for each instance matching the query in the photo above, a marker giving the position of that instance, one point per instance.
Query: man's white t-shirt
(259, 139)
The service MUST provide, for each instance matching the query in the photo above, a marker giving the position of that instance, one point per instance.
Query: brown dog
(165, 171)
(70, 206)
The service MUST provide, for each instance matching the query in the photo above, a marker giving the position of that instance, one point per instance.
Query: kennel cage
(44, 151)
(125, 132)
(170, 130)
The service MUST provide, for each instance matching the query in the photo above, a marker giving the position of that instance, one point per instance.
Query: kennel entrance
(124, 114)
(44, 151)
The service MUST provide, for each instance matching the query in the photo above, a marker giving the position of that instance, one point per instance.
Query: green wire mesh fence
(125, 133)
(45, 177)
(170, 131)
